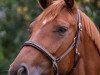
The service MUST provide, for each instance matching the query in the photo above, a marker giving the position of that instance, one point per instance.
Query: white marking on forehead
(47, 20)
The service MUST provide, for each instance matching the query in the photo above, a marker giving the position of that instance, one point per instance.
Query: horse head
(53, 41)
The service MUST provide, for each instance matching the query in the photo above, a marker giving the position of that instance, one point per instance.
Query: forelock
(51, 12)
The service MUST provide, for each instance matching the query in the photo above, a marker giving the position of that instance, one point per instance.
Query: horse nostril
(22, 71)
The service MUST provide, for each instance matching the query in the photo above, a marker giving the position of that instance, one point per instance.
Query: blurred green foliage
(15, 17)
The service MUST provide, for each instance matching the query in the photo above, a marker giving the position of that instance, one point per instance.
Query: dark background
(15, 17)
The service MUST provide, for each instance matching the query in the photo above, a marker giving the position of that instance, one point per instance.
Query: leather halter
(54, 60)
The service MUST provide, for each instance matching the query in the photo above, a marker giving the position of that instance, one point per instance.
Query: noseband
(54, 60)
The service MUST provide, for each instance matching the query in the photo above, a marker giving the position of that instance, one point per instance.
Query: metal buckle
(80, 26)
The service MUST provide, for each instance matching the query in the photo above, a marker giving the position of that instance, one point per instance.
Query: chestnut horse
(63, 41)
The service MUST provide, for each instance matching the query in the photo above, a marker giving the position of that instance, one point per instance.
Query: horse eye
(61, 29)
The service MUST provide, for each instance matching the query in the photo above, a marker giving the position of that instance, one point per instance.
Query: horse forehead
(46, 20)
(52, 18)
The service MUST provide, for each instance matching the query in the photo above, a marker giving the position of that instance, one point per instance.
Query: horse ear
(70, 4)
(44, 3)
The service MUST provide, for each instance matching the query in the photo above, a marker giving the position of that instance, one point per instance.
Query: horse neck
(90, 36)
(89, 48)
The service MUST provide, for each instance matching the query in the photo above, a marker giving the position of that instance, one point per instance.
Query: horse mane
(91, 30)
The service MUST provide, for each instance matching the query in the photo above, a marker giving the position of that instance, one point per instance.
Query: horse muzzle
(25, 70)
(22, 70)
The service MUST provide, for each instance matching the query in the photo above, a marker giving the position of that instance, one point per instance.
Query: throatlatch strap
(76, 59)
